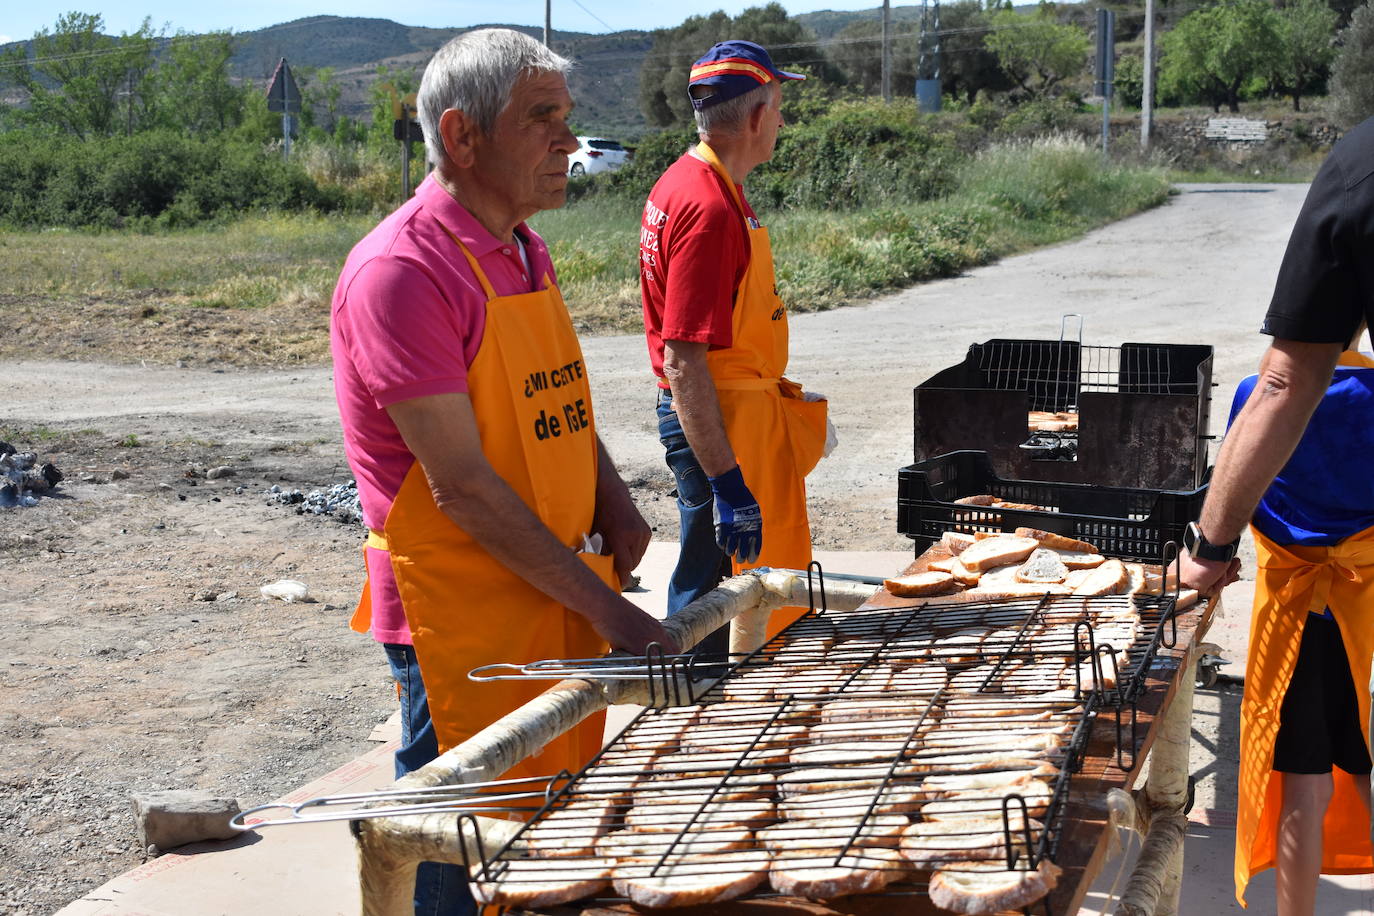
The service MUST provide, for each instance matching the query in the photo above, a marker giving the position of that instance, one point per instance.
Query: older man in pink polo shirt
(468, 422)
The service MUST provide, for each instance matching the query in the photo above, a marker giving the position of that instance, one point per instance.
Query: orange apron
(529, 391)
(777, 437)
(1290, 582)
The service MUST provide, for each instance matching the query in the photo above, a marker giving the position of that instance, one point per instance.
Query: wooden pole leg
(1153, 889)
(387, 881)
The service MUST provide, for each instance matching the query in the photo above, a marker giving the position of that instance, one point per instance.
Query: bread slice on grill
(857, 777)
(664, 816)
(997, 551)
(840, 753)
(540, 882)
(934, 844)
(817, 875)
(636, 844)
(989, 802)
(989, 779)
(833, 833)
(1056, 541)
(1075, 560)
(900, 797)
(572, 830)
(691, 880)
(1042, 566)
(1110, 578)
(985, 888)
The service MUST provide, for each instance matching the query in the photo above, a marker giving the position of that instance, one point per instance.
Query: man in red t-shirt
(712, 318)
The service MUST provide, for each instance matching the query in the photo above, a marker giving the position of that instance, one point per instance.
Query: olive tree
(1352, 73)
(1214, 52)
(1306, 29)
(1037, 51)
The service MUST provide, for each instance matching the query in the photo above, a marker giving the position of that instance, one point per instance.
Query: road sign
(282, 93)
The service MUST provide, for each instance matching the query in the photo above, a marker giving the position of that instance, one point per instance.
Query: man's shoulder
(690, 188)
(1351, 162)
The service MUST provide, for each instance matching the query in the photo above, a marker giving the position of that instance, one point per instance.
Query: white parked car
(595, 154)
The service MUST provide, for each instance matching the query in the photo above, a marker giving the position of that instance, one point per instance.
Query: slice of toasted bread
(956, 541)
(932, 844)
(817, 876)
(539, 882)
(989, 802)
(636, 844)
(833, 832)
(997, 551)
(1110, 578)
(980, 499)
(984, 888)
(918, 585)
(1056, 541)
(691, 880)
(572, 830)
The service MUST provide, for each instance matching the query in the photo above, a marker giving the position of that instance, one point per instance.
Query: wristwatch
(1201, 548)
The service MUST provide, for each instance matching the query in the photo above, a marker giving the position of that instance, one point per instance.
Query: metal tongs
(469, 798)
(671, 679)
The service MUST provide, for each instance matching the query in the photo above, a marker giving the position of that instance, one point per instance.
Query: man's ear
(459, 133)
(756, 116)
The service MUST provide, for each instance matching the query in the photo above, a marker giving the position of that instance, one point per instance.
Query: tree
(858, 52)
(1037, 51)
(1214, 52)
(83, 81)
(1352, 73)
(967, 67)
(1306, 30)
(663, 75)
(197, 94)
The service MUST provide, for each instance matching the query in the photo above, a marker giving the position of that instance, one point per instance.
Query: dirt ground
(139, 655)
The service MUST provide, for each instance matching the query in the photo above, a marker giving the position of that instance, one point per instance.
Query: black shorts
(1319, 721)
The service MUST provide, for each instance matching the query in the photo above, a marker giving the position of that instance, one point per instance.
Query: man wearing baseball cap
(738, 436)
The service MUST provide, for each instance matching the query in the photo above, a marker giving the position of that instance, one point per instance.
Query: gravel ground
(117, 676)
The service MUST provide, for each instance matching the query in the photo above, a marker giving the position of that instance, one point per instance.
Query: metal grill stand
(389, 849)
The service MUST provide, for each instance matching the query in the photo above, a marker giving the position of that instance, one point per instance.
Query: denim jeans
(441, 889)
(701, 564)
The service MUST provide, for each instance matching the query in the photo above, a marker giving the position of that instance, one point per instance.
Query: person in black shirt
(1324, 293)
(1324, 290)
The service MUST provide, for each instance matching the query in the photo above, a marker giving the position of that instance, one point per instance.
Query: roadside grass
(256, 291)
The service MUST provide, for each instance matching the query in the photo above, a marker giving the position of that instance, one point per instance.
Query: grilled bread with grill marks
(816, 876)
(986, 888)
(932, 844)
(1110, 578)
(540, 882)
(691, 880)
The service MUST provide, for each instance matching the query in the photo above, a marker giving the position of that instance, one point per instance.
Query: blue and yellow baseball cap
(732, 68)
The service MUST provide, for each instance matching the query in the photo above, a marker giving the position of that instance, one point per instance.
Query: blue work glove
(739, 523)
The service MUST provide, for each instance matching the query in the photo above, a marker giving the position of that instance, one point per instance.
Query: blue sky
(21, 20)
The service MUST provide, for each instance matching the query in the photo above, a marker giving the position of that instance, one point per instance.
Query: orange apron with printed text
(777, 437)
(532, 401)
(1290, 582)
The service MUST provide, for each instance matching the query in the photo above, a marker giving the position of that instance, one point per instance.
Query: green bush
(857, 155)
(151, 179)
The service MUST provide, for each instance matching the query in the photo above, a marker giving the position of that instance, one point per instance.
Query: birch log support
(390, 848)
(1153, 889)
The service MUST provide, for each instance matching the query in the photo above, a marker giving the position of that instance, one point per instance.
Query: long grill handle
(842, 577)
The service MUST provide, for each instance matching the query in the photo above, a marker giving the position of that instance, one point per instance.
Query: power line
(594, 16)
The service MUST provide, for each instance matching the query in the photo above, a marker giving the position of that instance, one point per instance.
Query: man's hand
(1207, 576)
(628, 628)
(739, 523)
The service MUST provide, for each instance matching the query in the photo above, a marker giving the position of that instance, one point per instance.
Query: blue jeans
(701, 564)
(441, 889)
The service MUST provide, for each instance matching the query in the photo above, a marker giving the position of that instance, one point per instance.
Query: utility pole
(887, 50)
(548, 22)
(1106, 68)
(1147, 98)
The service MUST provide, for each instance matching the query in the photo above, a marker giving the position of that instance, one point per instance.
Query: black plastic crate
(1121, 522)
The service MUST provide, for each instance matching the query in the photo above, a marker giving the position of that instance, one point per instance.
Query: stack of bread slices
(1028, 562)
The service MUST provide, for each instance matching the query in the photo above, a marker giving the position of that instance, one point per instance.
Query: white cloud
(5, 39)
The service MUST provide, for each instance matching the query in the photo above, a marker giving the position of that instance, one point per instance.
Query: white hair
(729, 116)
(475, 72)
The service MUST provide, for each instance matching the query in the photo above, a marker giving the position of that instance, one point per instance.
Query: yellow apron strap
(376, 540)
(748, 384)
(472, 260)
(710, 156)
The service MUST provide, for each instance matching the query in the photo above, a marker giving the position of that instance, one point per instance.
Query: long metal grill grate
(886, 750)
